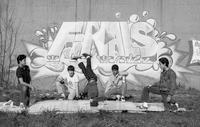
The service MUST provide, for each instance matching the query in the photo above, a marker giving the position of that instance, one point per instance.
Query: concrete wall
(180, 17)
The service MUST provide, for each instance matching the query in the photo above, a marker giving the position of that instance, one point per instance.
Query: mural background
(180, 17)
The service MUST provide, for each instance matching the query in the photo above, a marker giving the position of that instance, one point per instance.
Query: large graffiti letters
(135, 44)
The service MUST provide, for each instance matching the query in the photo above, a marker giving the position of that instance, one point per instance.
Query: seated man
(70, 80)
(116, 84)
(165, 87)
(91, 89)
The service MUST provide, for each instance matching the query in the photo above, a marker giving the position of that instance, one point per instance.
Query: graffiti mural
(195, 52)
(135, 46)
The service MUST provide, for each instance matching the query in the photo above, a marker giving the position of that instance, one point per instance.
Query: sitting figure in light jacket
(116, 84)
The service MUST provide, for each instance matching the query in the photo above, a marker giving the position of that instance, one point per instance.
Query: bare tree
(8, 37)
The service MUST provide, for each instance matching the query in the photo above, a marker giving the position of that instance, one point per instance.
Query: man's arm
(121, 76)
(169, 85)
(76, 87)
(172, 82)
(116, 80)
(60, 79)
(109, 84)
(25, 84)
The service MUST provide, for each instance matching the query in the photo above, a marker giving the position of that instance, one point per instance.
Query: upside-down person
(91, 89)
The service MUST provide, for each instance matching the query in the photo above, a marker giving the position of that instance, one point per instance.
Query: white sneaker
(123, 98)
(118, 97)
(177, 106)
(144, 106)
(63, 95)
(9, 103)
(21, 105)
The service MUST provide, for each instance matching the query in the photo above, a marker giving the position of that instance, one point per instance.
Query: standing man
(70, 80)
(165, 87)
(24, 80)
(116, 84)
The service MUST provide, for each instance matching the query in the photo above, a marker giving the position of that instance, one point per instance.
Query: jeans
(91, 89)
(25, 95)
(156, 89)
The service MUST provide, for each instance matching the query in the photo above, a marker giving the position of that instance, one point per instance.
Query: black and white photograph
(99, 63)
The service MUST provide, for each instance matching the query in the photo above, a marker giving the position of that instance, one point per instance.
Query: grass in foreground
(188, 99)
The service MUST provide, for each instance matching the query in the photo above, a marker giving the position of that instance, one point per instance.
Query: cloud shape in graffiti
(46, 36)
(38, 60)
(38, 57)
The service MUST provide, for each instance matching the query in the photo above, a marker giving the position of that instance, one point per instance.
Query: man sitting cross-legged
(116, 84)
(70, 80)
(165, 87)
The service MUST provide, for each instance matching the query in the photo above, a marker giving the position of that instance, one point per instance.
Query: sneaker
(76, 58)
(62, 82)
(82, 96)
(143, 106)
(123, 98)
(94, 103)
(112, 98)
(21, 105)
(118, 97)
(174, 107)
(86, 55)
(76, 98)
(9, 103)
(177, 106)
(62, 96)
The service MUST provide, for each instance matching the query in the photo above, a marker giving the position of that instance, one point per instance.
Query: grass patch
(188, 99)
